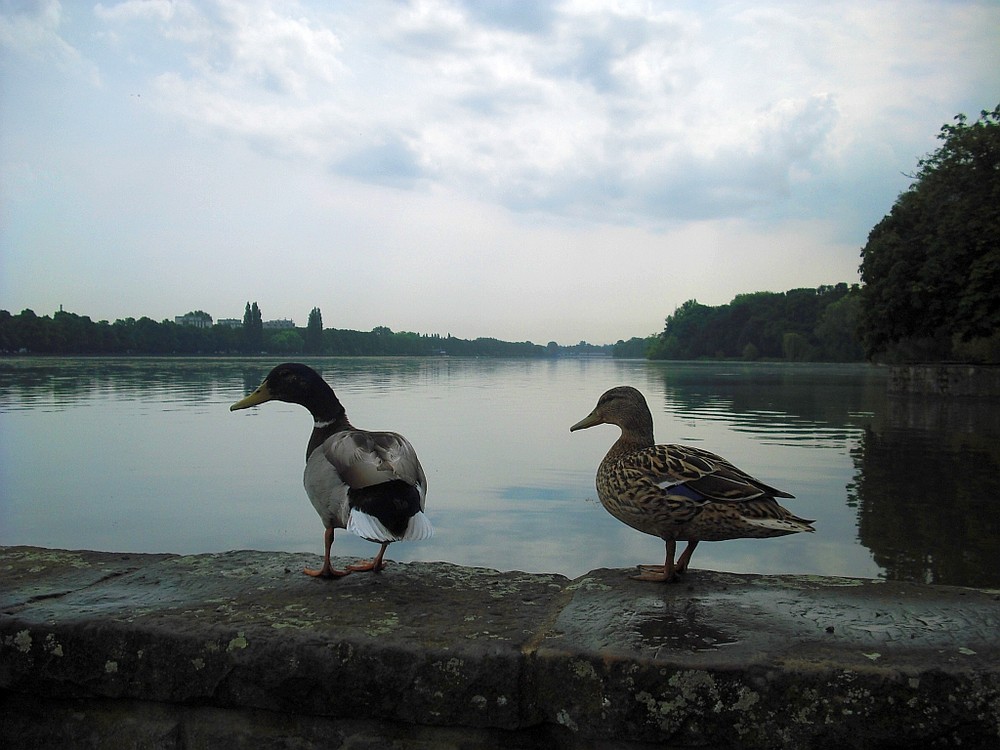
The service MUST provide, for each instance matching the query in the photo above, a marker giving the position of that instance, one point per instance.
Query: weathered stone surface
(430, 643)
(774, 661)
(945, 379)
(88, 724)
(470, 657)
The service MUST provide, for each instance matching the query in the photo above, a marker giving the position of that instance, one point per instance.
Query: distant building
(229, 322)
(283, 323)
(197, 319)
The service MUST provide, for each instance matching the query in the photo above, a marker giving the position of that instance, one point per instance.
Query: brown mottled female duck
(676, 492)
(369, 483)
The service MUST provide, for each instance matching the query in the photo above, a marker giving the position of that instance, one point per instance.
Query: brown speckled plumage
(677, 492)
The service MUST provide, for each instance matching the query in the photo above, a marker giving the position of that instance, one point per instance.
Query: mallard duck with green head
(369, 483)
(677, 492)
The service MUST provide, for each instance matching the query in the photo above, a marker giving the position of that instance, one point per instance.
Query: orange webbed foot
(326, 572)
(367, 567)
(375, 566)
(655, 573)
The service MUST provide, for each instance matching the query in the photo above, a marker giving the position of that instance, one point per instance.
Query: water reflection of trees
(61, 382)
(928, 490)
(779, 402)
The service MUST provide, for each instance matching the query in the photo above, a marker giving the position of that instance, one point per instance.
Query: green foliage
(800, 325)
(253, 329)
(68, 333)
(795, 347)
(931, 267)
(634, 348)
(837, 329)
(314, 332)
(583, 349)
(286, 341)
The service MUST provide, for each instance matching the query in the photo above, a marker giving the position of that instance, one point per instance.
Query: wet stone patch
(472, 657)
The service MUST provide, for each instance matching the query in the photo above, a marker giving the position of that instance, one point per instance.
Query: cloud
(513, 15)
(614, 111)
(32, 30)
(388, 162)
(246, 47)
(136, 10)
(546, 169)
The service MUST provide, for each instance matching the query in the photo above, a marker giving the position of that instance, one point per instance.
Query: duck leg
(326, 571)
(375, 566)
(685, 558)
(666, 573)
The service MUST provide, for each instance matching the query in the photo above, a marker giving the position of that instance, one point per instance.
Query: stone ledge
(941, 379)
(469, 657)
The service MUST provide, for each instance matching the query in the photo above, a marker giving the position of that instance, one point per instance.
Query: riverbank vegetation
(931, 266)
(68, 333)
(802, 325)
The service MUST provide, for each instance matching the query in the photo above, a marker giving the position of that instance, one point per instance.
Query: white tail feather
(419, 528)
(778, 524)
(370, 528)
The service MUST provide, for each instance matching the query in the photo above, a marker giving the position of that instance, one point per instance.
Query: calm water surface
(143, 455)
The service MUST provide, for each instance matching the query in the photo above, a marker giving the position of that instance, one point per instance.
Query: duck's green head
(291, 382)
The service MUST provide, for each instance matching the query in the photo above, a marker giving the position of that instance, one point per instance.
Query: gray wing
(364, 458)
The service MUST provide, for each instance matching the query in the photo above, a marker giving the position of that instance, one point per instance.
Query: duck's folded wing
(710, 476)
(364, 458)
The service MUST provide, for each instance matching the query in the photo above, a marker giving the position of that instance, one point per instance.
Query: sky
(529, 171)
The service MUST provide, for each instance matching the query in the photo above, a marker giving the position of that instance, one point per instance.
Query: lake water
(143, 455)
